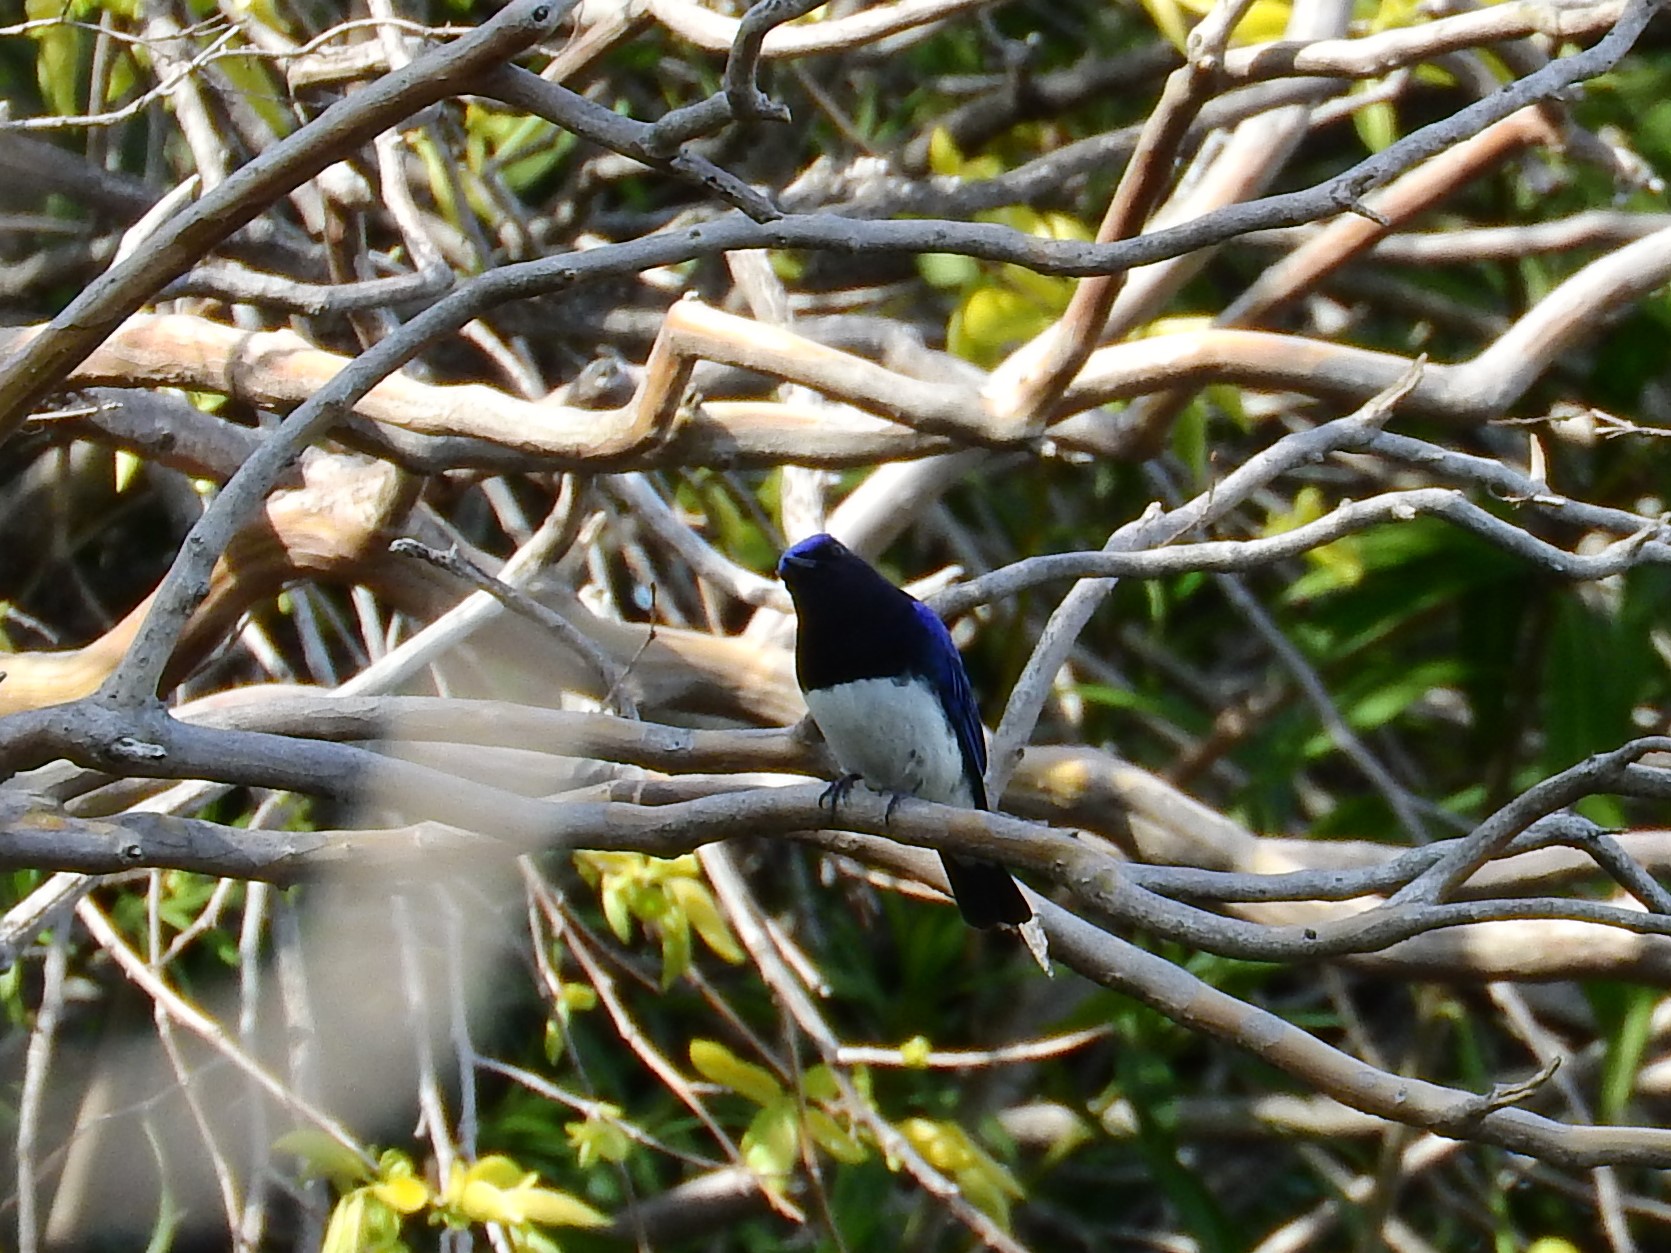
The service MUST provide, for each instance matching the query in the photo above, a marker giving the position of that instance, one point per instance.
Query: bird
(886, 686)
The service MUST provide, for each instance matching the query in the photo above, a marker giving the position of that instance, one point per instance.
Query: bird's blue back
(942, 666)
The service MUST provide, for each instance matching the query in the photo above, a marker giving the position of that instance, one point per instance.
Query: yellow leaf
(481, 1202)
(1394, 13)
(1175, 324)
(686, 865)
(991, 320)
(914, 1052)
(1050, 294)
(127, 465)
(1342, 559)
(554, 1208)
(718, 1064)
(1308, 506)
(579, 996)
(343, 1232)
(404, 1195)
(361, 1224)
(496, 1169)
(943, 155)
(497, 1190)
(704, 915)
(948, 1148)
(1168, 17)
(1064, 226)
(1264, 21)
(591, 866)
(942, 1144)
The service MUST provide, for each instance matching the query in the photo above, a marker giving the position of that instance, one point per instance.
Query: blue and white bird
(887, 688)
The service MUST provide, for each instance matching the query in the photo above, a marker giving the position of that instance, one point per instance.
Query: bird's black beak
(791, 561)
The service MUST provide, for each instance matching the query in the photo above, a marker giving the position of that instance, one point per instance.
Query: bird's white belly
(895, 736)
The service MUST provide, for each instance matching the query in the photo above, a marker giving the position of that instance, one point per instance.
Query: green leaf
(251, 76)
(599, 1138)
(324, 1156)
(949, 270)
(833, 1138)
(617, 910)
(1591, 674)
(985, 1195)
(1627, 1044)
(819, 1084)
(1376, 122)
(531, 1240)
(58, 52)
(1189, 441)
(771, 1147)
(674, 928)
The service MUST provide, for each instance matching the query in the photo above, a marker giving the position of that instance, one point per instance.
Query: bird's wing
(951, 681)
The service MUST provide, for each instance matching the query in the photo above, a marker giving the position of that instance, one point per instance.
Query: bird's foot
(893, 803)
(838, 791)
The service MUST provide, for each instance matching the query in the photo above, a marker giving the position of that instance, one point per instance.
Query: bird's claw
(838, 791)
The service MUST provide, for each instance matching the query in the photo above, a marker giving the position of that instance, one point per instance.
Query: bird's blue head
(822, 571)
(815, 553)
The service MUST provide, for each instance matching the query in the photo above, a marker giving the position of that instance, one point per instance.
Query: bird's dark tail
(986, 895)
